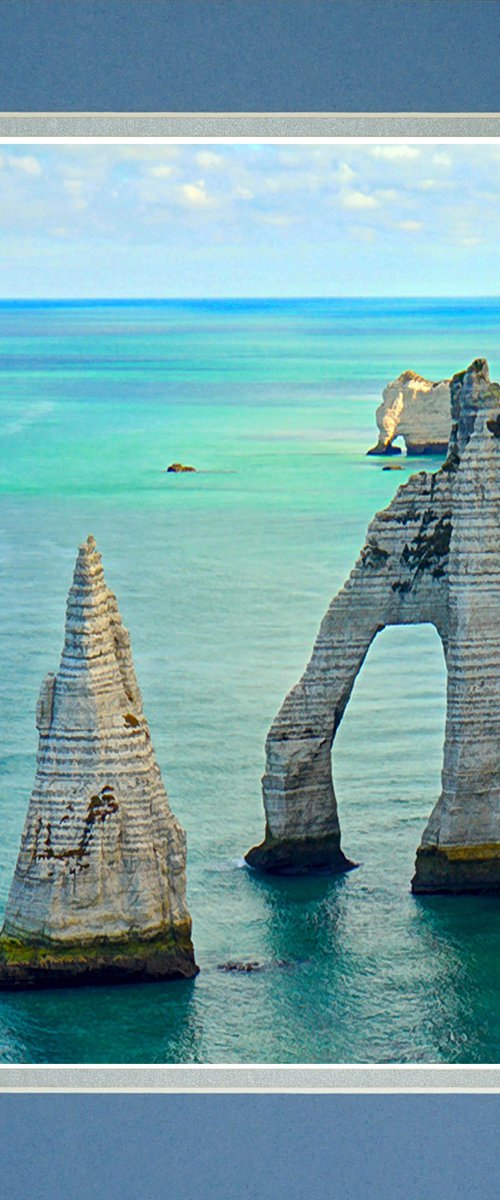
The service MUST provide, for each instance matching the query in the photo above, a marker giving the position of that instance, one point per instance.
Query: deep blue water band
(249, 55)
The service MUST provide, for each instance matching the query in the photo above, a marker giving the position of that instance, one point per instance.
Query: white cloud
(243, 193)
(74, 189)
(345, 173)
(279, 220)
(161, 172)
(395, 153)
(195, 194)
(208, 161)
(355, 199)
(295, 182)
(275, 184)
(28, 164)
(410, 226)
(387, 194)
(362, 233)
(442, 160)
(144, 154)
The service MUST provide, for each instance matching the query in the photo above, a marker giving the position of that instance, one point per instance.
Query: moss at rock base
(457, 869)
(47, 964)
(290, 856)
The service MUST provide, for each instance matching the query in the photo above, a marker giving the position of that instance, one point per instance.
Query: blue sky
(204, 220)
(227, 1147)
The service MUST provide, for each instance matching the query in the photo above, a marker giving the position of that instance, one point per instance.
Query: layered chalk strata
(99, 888)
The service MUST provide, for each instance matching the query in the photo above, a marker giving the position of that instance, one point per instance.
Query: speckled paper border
(247, 1078)
(252, 125)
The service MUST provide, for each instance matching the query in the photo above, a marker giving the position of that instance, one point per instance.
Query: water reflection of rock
(303, 915)
(160, 1024)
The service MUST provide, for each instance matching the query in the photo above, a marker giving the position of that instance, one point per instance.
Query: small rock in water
(178, 468)
(241, 966)
(393, 467)
(246, 967)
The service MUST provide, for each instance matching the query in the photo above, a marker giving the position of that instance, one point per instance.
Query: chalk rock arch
(433, 556)
(416, 409)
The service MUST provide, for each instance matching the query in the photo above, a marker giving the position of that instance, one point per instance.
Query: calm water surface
(222, 578)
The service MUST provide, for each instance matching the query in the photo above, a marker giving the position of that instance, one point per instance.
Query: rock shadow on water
(460, 919)
(457, 937)
(303, 913)
(141, 1021)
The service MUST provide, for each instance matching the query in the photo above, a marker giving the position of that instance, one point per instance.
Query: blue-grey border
(244, 1077)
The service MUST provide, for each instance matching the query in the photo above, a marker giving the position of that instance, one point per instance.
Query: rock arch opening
(387, 754)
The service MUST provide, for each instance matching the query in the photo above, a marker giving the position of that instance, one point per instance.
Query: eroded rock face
(432, 556)
(99, 887)
(418, 411)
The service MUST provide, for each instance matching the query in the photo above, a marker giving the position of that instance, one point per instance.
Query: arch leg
(399, 578)
(302, 825)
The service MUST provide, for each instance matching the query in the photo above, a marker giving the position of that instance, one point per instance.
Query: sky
(219, 220)
(250, 1147)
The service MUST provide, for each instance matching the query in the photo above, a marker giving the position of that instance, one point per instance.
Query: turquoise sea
(222, 578)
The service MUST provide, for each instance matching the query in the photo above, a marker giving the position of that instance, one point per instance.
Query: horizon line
(204, 299)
